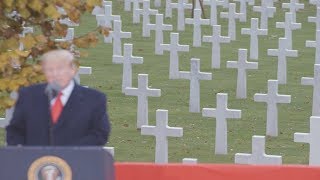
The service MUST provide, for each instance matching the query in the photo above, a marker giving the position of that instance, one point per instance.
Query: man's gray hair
(58, 54)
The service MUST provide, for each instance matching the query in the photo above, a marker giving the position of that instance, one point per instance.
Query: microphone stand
(51, 90)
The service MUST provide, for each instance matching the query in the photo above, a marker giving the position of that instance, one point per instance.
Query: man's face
(59, 71)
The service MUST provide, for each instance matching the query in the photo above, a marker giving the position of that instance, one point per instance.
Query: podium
(56, 163)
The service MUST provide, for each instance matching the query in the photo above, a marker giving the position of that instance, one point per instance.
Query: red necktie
(56, 109)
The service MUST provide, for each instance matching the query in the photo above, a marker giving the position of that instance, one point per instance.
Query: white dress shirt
(66, 92)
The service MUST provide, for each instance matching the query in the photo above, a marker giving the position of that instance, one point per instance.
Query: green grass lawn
(199, 132)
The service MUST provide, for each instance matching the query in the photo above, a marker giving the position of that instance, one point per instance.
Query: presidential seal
(49, 168)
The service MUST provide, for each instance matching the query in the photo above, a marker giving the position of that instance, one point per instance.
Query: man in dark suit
(59, 112)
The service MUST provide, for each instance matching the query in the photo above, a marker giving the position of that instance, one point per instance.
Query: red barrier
(148, 171)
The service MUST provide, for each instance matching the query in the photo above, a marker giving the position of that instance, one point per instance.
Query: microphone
(52, 90)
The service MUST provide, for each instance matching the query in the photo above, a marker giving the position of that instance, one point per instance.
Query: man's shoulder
(90, 92)
(34, 88)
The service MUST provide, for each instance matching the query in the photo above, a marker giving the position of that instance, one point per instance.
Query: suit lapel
(71, 107)
(45, 106)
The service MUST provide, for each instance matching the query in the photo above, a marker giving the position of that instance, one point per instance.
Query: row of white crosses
(258, 155)
(194, 91)
(272, 130)
(161, 130)
(315, 44)
(313, 136)
(272, 122)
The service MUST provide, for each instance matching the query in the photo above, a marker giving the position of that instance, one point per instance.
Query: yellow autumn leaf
(81, 42)
(37, 67)
(74, 15)
(84, 54)
(22, 53)
(59, 2)
(28, 41)
(65, 45)
(73, 3)
(8, 102)
(22, 81)
(60, 29)
(94, 2)
(12, 43)
(52, 12)
(67, 7)
(8, 3)
(26, 71)
(104, 30)
(3, 84)
(21, 4)
(92, 39)
(25, 13)
(13, 86)
(41, 38)
(36, 5)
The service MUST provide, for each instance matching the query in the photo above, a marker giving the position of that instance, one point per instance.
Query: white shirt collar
(66, 92)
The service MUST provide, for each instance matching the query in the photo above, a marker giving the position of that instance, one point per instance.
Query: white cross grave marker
(65, 21)
(254, 32)
(242, 65)
(197, 21)
(174, 47)
(194, 76)
(68, 22)
(315, 44)
(107, 17)
(161, 132)
(26, 30)
(142, 92)
(272, 99)
(231, 16)
(116, 35)
(69, 36)
(213, 10)
(258, 156)
(313, 139)
(315, 82)
(9, 112)
(146, 12)
(127, 5)
(216, 39)
(221, 113)
(282, 52)
(243, 8)
(315, 2)
(293, 7)
(8, 115)
(315, 19)
(159, 27)
(168, 10)
(100, 9)
(189, 161)
(224, 3)
(157, 3)
(127, 60)
(288, 25)
(266, 11)
(82, 70)
(181, 6)
(110, 150)
(136, 8)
